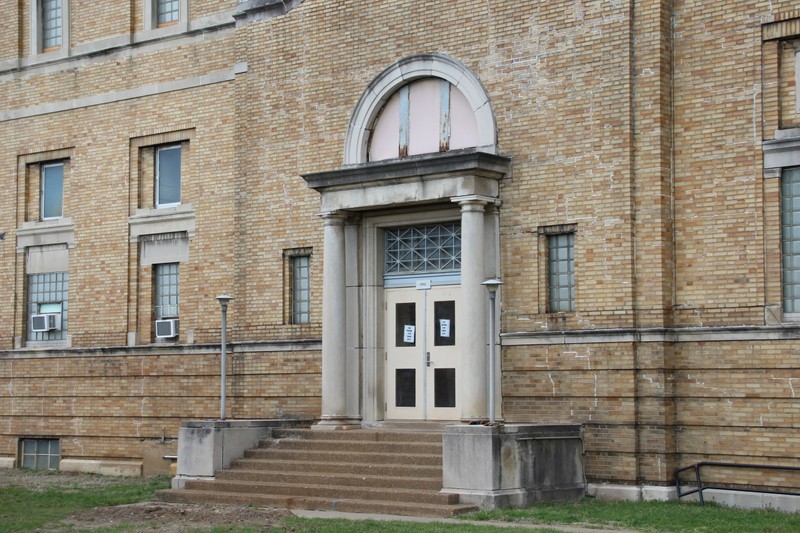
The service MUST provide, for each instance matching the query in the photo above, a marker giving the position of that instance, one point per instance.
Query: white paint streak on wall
(789, 381)
(653, 382)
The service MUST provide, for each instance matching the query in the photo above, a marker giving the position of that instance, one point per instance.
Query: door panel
(421, 353)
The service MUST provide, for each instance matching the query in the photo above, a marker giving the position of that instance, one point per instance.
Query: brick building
(352, 172)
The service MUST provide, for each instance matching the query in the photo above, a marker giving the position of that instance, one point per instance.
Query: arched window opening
(428, 115)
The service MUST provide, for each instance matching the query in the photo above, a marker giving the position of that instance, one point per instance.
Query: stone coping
(244, 423)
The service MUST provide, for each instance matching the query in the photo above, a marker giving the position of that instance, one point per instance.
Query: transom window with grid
(47, 295)
(423, 249)
(167, 293)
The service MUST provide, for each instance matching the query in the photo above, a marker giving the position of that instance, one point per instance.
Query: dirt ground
(145, 516)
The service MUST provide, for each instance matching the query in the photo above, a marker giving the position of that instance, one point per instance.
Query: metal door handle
(428, 358)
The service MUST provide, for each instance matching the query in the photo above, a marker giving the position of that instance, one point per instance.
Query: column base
(475, 421)
(330, 423)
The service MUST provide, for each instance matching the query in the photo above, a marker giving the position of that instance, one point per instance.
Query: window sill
(152, 221)
(44, 232)
(49, 345)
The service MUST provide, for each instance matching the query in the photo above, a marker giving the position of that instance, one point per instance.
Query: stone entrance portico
(357, 202)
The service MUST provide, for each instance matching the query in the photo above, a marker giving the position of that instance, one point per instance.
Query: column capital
(474, 200)
(334, 218)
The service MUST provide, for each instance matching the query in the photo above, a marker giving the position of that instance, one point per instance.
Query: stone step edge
(291, 464)
(353, 456)
(359, 435)
(274, 489)
(349, 505)
(330, 475)
(332, 444)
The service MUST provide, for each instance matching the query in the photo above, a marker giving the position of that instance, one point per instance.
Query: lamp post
(223, 300)
(491, 285)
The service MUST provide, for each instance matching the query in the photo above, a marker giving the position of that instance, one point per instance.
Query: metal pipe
(223, 302)
(492, 285)
(492, 295)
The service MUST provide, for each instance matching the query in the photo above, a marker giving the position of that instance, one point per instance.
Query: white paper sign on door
(408, 333)
(444, 327)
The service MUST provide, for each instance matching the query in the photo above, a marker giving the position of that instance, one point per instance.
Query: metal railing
(700, 487)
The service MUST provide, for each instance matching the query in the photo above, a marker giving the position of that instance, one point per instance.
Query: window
(790, 240)
(47, 295)
(166, 293)
(561, 272)
(168, 176)
(301, 289)
(423, 249)
(51, 24)
(40, 453)
(52, 191)
(425, 116)
(167, 12)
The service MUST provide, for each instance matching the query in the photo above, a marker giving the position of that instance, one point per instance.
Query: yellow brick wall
(92, 21)
(103, 405)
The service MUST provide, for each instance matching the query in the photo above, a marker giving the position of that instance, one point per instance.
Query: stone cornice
(50, 350)
(430, 166)
(661, 335)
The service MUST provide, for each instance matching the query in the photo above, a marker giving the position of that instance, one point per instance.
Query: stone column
(473, 384)
(334, 324)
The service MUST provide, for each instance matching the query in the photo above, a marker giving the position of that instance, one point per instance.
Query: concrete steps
(368, 471)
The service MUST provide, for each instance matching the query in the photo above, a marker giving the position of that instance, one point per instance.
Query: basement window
(40, 454)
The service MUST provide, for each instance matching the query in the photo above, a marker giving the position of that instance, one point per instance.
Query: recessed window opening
(167, 291)
(40, 454)
(168, 176)
(52, 191)
(561, 272)
(51, 19)
(167, 12)
(301, 289)
(790, 241)
(429, 115)
(47, 294)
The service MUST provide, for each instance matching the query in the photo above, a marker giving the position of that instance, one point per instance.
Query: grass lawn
(650, 516)
(41, 501)
(26, 509)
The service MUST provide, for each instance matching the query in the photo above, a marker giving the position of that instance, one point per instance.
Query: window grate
(423, 249)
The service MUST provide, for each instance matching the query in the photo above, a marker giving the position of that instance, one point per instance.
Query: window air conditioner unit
(46, 322)
(167, 329)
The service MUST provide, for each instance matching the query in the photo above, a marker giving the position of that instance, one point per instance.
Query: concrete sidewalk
(509, 525)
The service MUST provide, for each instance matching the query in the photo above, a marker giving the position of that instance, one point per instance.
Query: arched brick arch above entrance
(466, 89)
